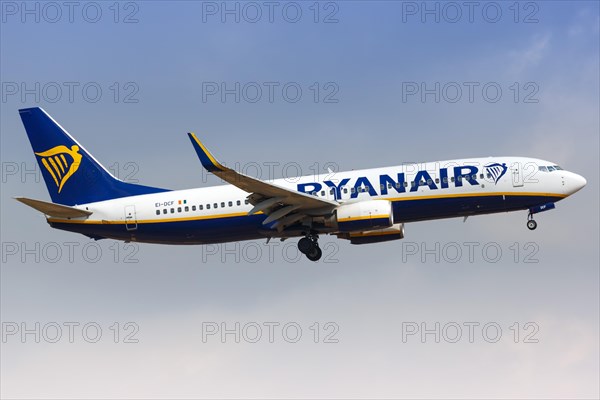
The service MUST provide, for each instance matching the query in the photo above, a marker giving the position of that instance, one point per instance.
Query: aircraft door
(130, 218)
(516, 170)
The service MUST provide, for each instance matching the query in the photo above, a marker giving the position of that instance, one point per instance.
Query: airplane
(362, 206)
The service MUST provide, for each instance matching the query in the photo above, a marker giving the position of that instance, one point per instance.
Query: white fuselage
(417, 191)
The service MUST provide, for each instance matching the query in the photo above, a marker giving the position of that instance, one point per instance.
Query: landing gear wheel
(315, 254)
(531, 224)
(309, 246)
(305, 245)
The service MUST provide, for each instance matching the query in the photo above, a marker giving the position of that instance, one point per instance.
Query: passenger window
(366, 189)
(381, 187)
(157, 212)
(193, 208)
(452, 179)
(480, 176)
(437, 180)
(216, 205)
(331, 191)
(172, 211)
(429, 182)
(397, 185)
(223, 204)
(353, 190)
(405, 184)
(345, 191)
(200, 207)
(186, 209)
(489, 176)
(208, 206)
(467, 177)
(322, 193)
(178, 209)
(246, 201)
(230, 204)
(445, 179)
(165, 211)
(239, 203)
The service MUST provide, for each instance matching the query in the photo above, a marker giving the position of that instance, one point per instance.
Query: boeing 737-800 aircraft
(362, 206)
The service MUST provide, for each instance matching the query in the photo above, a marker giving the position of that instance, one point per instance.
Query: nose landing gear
(531, 224)
(309, 246)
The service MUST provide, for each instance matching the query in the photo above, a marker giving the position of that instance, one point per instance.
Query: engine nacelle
(395, 232)
(364, 216)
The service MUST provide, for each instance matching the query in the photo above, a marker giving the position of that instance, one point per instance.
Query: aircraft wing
(283, 206)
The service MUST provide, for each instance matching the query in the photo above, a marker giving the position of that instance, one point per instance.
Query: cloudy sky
(484, 308)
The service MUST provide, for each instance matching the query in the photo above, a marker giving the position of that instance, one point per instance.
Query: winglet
(208, 160)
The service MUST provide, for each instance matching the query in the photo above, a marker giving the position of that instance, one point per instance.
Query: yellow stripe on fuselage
(149, 221)
(242, 214)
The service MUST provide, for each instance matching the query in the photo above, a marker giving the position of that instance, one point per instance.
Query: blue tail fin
(72, 175)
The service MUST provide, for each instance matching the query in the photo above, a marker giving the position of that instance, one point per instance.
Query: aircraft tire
(315, 254)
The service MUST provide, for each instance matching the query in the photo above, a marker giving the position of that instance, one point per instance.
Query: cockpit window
(549, 168)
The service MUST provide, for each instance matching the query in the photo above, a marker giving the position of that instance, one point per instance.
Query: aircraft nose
(575, 182)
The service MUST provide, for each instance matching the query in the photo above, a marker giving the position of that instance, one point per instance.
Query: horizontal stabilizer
(54, 210)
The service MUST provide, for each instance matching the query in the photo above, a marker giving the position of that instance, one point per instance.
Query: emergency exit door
(516, 170)
(130, 218)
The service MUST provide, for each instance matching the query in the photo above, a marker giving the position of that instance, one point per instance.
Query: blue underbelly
(238, 228)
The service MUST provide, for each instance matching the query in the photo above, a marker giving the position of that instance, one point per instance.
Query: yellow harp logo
(61, 168)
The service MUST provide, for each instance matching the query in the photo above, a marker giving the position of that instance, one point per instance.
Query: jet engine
(363, 216)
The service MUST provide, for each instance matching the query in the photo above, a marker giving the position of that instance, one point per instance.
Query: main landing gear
(531, 224)
(309, 246)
